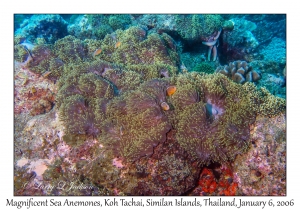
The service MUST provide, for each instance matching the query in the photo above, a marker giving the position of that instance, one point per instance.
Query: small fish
(165, 106)
(97, 52)
(28, 51)
(117, 44)
(28, 45)
(25, 81)
(46, 74)
(33, 90)
(21, 75)
(171, 90)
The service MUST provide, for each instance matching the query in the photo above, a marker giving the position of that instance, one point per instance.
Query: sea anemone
(216, 128)
(187, 92)
(133, 132)
(77, 115)
(69, 49)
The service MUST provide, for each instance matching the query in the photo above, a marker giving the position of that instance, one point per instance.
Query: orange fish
(164, 106)
(171, 90)
(97, 52)
(117, 44)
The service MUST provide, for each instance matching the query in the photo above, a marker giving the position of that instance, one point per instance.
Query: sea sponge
(239, 71)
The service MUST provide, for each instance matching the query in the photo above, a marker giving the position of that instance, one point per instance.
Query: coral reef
(50, 27)
(94, 26)
(133, 110)
(216, 180)
(156, 23)
(240, 43)
(240, 72)
(268, 26)
(149, 55)
(275, 84)
(198, 27)
(262, 171)
(33, 94)
(275, 51)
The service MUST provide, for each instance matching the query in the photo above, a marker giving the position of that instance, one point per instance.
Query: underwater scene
(150, 104)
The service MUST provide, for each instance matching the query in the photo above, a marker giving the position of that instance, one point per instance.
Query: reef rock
(50, 27)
